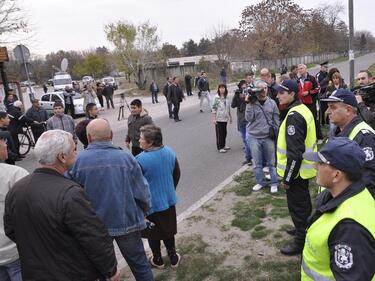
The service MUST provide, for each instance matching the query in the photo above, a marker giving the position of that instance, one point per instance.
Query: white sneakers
(222, 150)
(274, 188)
(227, 148)
(258, 187)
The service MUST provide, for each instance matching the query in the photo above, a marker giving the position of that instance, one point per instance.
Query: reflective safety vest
(316, 256)
(362, 126)
(307, 170)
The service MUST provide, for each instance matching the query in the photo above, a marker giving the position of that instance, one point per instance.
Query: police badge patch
(369, 153)
(343, 256)
(291, 130)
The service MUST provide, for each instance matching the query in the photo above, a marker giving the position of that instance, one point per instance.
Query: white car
(87, 79)
(61, 80)
(47, 100)
(111, 81)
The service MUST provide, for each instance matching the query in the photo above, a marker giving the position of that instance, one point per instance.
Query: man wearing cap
(366, 107)
(340, 240)
(342, 111)
(296, 136)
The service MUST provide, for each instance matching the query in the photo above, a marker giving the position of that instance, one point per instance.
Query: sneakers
(268, 177)
(222, 150)
(157, 261)
(273, 188)
(257, 187)
(175, 259)
(227, 148)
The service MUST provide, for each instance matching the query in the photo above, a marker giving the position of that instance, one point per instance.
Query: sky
(79, 24)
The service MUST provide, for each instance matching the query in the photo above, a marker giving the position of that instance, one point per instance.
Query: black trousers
(170, 112)
(109, 100)
(188, 90)
(170, 244)
(299, 205)
(37, 131)
(323, 108)
(154, 96)
(221, 134)
(100, 98)
(136, 150)
(70, 108)
(176, 109)
(16, 142)
(314, 112)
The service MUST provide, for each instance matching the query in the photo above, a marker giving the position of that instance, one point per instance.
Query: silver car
(47, 100)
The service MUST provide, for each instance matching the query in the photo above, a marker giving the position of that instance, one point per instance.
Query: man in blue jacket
(118, 192)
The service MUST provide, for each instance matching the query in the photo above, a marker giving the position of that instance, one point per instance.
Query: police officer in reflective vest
(296, 136)
(340, 240)
(342, 111)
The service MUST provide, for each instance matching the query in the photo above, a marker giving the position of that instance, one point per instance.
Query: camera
(367, 92)
(252, 94)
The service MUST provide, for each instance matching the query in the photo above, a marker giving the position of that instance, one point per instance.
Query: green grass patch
(260, 232)
(277, 235)
(372, 69)
(195, 218)
(244, 183)
(279, 212)
(246, 216)
(285, 227)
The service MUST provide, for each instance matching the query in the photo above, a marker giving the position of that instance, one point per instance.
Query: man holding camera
(366, 103)
(342, 111)
(263, 120)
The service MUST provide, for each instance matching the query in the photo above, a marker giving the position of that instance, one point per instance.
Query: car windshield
(108, 80)
(62, 81)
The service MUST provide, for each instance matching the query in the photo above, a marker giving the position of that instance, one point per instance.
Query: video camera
(252, 94)
(367, 92)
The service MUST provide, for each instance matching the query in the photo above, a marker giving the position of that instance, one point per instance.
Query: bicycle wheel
(25, 143)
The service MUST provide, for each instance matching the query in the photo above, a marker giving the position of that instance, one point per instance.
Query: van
(61, 80)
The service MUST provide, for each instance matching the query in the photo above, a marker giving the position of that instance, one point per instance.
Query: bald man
(118, 192)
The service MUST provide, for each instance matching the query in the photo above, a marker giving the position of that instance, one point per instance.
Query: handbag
(272, 131)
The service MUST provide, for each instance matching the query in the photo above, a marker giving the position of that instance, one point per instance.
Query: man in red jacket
(308, 92)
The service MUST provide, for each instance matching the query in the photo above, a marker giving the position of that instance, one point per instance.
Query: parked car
(48, 99)
(26, 83)
(87, 79)
(111, 81)
(61, 80)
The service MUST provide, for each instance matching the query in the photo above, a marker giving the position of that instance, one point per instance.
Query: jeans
(245, 139)
(260, 149)
(132, 250)
(205, 95)
(11, 271)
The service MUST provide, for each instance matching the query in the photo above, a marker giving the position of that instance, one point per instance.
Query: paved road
(363, 62)
(194, 141)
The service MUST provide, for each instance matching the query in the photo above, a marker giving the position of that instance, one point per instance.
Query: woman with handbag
(160, 167)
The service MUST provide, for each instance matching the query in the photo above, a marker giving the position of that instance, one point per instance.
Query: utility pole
(351, 51)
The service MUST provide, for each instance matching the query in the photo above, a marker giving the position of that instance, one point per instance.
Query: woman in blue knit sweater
(160, 167)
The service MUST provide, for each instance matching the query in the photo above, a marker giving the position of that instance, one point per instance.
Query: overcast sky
(78, 24)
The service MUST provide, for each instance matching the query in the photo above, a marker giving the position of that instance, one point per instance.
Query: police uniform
(364, 135)
(340, 240)
(297, 134)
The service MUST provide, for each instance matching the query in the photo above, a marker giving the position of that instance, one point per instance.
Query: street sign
(64, 64)
(21, 53)
(3, 54)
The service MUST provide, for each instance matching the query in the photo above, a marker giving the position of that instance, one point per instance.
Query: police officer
(296, 135)
(340, 240)
(342, 111)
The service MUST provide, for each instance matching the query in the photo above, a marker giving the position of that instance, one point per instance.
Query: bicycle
(26, 139)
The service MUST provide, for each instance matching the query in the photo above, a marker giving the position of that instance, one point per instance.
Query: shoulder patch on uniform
(369, 153)
(291, 130)
(343, 256)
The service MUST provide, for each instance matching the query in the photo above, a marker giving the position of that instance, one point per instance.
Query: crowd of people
(75, 205)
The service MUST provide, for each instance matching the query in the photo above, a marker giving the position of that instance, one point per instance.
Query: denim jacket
(115, 186)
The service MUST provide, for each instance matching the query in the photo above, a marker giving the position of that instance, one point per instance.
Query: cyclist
(38, 114)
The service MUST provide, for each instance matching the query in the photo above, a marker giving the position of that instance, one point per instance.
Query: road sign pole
(351, 51)
(31, 94)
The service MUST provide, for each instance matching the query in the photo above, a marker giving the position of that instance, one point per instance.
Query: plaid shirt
(63, 122)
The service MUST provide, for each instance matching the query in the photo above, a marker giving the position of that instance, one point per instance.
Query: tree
(135, 45)
(273, 26)
(189, 48)
(223, 43)
(12, 20)
(205, 46)
(169, 51)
